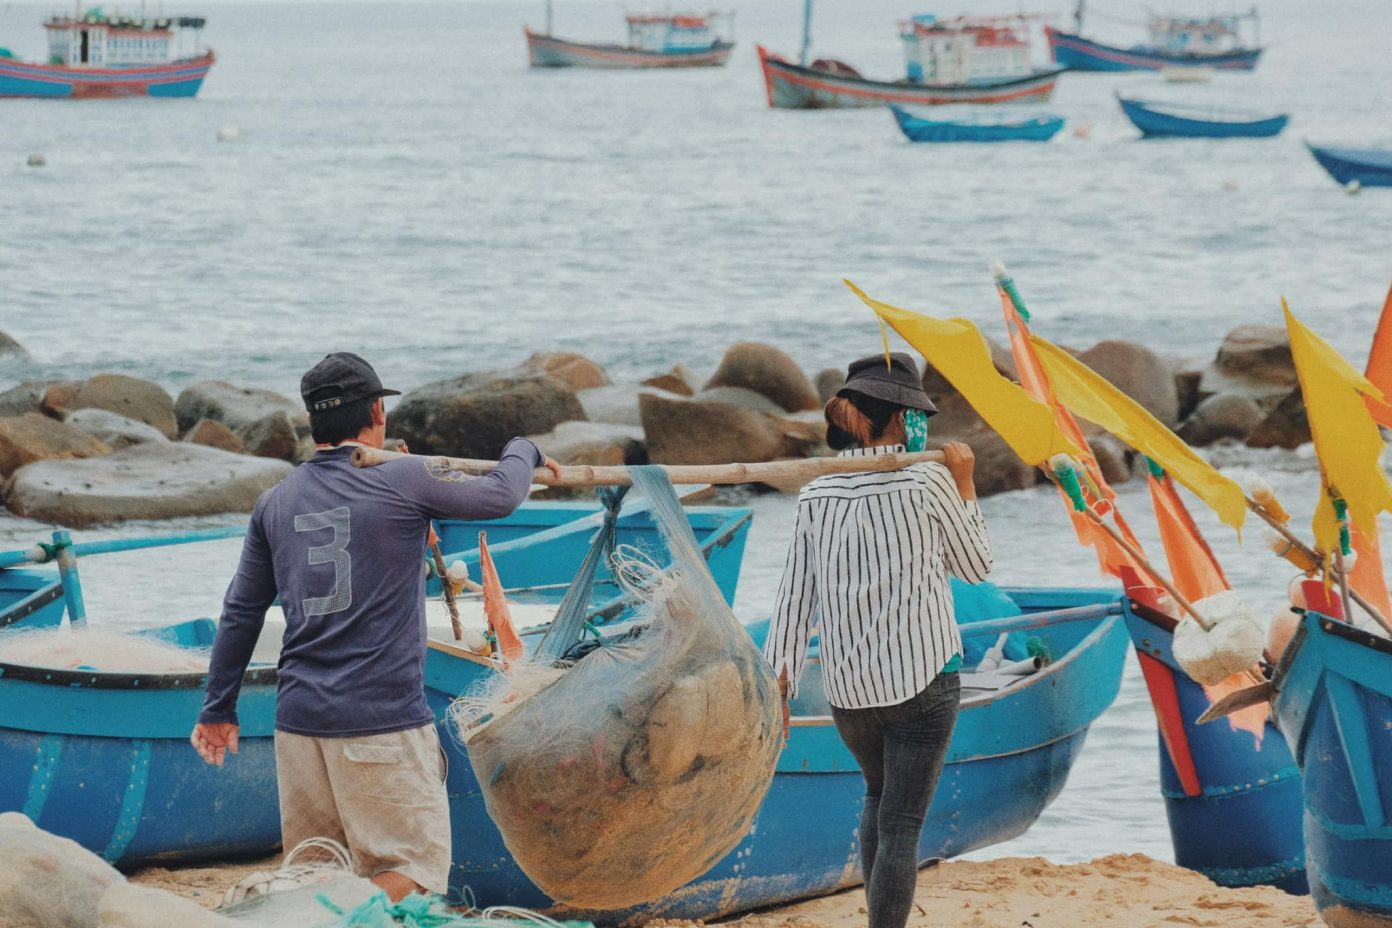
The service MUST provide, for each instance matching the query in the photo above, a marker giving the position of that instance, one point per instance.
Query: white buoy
(36, 160)
(229, 134)
(1353, 186)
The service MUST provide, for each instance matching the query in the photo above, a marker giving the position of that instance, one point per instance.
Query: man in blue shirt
(357, 754)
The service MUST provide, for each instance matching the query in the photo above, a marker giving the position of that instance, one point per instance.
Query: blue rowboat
(103, 758)
(1076, 53)
(1039, 128)
(1158, 120)
(836, 86)
(1333, 703)
(1010, 755)
(1233, 804)
(1369, 167)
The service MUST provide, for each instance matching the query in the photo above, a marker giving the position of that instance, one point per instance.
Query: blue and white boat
(1368, 167)
(1197, 121)
(655, 40)
(1333, 702)
(1175, 42)
(977, 128)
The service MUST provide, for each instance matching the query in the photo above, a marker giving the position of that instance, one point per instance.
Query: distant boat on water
(655, 40)
(968, 59)
(1187, 120)
(1368, 167)
(1175, 42)
(96, 55)
(1036, 128)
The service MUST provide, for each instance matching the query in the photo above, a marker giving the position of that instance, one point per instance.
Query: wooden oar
(585, 475)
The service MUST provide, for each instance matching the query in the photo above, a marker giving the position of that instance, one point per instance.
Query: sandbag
(633, 771)
(47, 881)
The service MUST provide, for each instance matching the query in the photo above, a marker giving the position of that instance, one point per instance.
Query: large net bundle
(69, 648)
(621, 775)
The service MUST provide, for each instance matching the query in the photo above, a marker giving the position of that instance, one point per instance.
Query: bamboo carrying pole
(584, 475)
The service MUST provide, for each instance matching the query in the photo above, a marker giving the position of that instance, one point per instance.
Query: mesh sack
(618, 779)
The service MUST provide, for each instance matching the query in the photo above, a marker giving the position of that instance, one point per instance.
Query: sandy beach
(1130, 890)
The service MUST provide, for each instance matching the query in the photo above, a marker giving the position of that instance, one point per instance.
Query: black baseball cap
(897, 381)
(339, 379)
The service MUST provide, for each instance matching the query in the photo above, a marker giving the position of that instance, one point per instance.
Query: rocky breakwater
(1248, 393)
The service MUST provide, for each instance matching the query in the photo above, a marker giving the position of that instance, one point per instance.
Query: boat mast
(806, 31)
(1078, 16)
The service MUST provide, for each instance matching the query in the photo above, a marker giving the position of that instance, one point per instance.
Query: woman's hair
(858, 419)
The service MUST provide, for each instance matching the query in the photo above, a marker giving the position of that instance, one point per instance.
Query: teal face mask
(915, 429)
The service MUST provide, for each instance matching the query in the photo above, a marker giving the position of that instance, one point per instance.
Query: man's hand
(213, 741)
(550, 464)
(961, 462)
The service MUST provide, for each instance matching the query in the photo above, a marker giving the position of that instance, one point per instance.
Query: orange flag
(495, 606)
(1111, 556)
(1380, 366)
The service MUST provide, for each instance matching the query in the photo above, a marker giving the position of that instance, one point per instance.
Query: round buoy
(229, 134)
(37, 160)
(1353, 186)
(1083, 130)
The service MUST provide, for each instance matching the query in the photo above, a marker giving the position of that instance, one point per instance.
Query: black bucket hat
(341, 378)
(897, 382)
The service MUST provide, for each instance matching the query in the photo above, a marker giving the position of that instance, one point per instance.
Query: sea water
(402, 185)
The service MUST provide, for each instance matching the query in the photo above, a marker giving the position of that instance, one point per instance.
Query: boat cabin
(966, 49)
(1209, 36)
(661, 32)
(97, 40)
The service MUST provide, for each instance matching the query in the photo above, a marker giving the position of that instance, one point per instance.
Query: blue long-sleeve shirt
(343, 547)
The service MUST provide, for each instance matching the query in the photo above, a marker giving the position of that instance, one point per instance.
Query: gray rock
(742, 397)
(116, 431)
(215, 435)
(27, 397)
(827, 382)
(234, 406)
(769, 371)
(11, 350)
(477, 414)
(1139, 373)
(575, 370)
(148, 481)
(130, 397)
(696, 432)
(35, 437)
(271, 436)
(1254, 360)
(1187, 382)
(1227, 415)
(596, 443)
(618, 404)
(1286, 426)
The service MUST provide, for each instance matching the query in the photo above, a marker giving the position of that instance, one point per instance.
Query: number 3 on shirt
(336, 553)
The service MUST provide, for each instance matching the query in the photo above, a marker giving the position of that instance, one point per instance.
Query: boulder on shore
(1254, 360)
(1224, 415)
(679, 380)
(35, 437)
(215, 435)
(272, 436)
(11, 350)
(113, 429)
(142, 482)
(767, 370)
(828, 381)
(26, 397)
(696, 432)
(131, 397)
(1139, 373)
(575, 370)
(600, 444)
(233, 406)
(476, 415)
(1286, 426)
(618, 404)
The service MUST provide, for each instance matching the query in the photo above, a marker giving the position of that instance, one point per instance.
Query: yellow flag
(1092, 397)
(1347, 441)
(958, 351)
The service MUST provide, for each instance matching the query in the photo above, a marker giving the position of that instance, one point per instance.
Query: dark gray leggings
(900, 750)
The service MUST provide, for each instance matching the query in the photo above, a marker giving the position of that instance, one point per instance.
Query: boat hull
(1079, 54)
(1369, 167)
(791, 86)
(915, 129)
(1334, 706)
(178, 79)
(1233, 805)
(544, 51)
(1009, 758)
(1155, 123)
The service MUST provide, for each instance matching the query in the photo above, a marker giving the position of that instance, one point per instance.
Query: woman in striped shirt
(869, 565)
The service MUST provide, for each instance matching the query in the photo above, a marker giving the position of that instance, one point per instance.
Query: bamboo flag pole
(585, 475)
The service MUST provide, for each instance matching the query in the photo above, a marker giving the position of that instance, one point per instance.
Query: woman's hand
(961, 463)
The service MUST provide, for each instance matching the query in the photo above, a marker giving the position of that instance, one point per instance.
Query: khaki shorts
(383, 796)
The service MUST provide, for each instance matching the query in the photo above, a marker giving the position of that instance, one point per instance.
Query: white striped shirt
(869, 562)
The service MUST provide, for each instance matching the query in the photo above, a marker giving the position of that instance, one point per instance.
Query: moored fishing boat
(101, 756)
(1035, 128)
(655, 40)
(1180, 120)
(1015, 742)
(96, 55)
(1368, 167)
(1211, 42)
(970, 59)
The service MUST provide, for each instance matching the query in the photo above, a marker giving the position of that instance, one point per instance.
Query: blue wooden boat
(655, 40)
(96, 55)
(1010, 755)
(1038, 128)
(1333, 703)
(1369, 167)
(1158, 120)
(103, 758)
(1174, 42)
(1233, 805)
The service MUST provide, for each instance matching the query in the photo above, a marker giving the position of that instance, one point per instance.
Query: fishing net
(620, 774)
(47, 881)
(69, 648)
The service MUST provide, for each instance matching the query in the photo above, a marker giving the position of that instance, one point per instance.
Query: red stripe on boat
(1164, 696)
